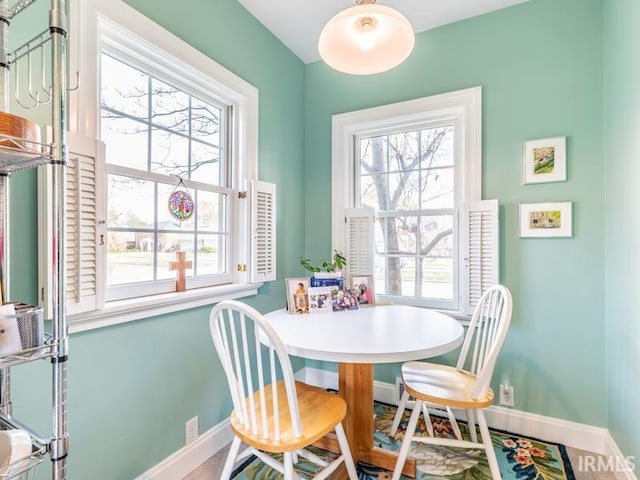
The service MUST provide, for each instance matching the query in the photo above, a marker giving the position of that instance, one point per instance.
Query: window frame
(442, 304)
(158, 286)
(114, 26)
(143, 289)
(464, 109)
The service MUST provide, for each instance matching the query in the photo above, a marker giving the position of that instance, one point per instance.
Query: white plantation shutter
(263, 232)
(359, 241)
(482, 253)
(85, 234)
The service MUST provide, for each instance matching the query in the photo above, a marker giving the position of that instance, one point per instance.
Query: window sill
(463, 318)
(123, 311)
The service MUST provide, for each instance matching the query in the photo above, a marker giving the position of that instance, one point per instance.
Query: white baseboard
(613, 451)
(189, 457)
(572, 434)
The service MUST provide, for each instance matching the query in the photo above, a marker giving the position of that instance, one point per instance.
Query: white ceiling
(297, 23)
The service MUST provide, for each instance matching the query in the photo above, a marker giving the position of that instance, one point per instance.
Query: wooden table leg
(355, 386)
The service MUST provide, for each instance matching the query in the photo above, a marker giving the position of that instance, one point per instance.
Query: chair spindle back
(238, 331)
(487, 331)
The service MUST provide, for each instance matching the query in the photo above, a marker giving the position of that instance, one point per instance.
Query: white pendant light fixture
(366, 39)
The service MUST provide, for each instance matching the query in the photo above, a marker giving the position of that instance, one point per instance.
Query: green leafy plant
(338, 263)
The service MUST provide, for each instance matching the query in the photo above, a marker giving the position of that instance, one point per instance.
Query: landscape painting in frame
(545, 160)
(539, 220)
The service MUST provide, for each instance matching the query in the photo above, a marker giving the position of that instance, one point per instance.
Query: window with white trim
(167, 118)
(417, 166)
(161, 139)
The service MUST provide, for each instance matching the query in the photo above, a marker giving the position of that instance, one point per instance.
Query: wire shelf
(38, 69)
(15, 7)
(26, 356)
(20, 154)
(33, 342)
(23, 469)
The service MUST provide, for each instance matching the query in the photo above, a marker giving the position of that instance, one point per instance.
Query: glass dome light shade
(389, 39)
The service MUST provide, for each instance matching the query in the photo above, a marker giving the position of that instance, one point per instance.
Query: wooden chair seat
(443, 385)
(320, 411)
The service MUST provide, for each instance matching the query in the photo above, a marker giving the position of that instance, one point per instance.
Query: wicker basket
(25, 130)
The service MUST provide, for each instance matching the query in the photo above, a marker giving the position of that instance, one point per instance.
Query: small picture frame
(542, 220)
(545, 160)
(320, 299)
(343, 300)
(297, 290)
(300, 303)
(362, 285)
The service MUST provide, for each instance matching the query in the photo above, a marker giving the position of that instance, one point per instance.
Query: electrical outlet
(506, 395)
(399, 389)
(191, 430)
(399, 392)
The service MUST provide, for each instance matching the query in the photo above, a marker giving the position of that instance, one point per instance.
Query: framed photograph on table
(344, 300)
(362, 285)
(539, 220)
(545, 160)
(297, 294)
(320, 299)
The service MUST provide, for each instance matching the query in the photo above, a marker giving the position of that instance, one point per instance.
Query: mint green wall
(622, 121)
(540, 65)
(133, 386)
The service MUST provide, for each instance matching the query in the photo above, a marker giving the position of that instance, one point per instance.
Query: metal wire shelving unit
(22, 153)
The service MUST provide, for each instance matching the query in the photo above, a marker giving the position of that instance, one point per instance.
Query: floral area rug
(519, 458)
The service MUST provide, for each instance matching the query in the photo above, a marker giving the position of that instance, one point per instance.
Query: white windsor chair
(454, 387)
(277, 416)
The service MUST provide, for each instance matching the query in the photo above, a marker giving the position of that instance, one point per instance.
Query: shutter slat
(81, 227)
(482, 256)
(360, 241)
(81, 241)
(263, 244)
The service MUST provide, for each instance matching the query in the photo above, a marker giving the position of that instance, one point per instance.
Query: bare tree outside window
(186, 137)
(156, 133)
(408, 178)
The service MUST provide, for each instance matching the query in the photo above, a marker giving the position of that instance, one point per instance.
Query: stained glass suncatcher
(181, 205)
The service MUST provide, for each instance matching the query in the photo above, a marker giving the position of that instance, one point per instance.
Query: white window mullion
(416, 213)
(166, 179)
(102, 240)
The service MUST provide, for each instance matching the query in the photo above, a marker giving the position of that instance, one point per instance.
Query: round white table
(357, 339)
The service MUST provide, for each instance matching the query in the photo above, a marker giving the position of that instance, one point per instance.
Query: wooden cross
(180, 266)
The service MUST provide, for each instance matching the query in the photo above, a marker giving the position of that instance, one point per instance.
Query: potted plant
(329, 269)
